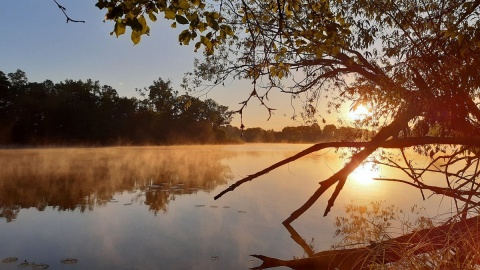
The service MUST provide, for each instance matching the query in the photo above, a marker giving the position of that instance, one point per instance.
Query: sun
(364, 174)
(359, 113)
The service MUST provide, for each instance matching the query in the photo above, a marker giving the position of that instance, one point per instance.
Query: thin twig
(63, 9)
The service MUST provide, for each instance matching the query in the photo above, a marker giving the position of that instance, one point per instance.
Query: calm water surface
(153, 207)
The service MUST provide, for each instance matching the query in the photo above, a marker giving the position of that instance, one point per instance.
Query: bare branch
(389, 144)
(63, 9)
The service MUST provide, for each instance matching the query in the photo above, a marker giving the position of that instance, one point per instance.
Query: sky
(36, 39)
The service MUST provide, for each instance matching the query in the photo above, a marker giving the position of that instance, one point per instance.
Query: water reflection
(125, 186)
(80, 179)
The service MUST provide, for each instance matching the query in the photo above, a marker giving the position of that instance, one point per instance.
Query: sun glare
(359, 113)
(364, 174)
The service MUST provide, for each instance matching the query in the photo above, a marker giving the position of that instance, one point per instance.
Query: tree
(413, 63)
(77, 112)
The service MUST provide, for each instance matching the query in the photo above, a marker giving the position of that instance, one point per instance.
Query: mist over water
(153, 207)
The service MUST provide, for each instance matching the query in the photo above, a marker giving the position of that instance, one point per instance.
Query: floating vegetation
(69, 261)
(10, 260)
(226, 206)
(200, 205)
(213, 206)
(37, 266)
(40, 266)
(243, 212)
(25, 264)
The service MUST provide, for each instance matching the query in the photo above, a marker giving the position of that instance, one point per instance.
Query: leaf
(208, 43)
(184, 5)
(170, 14)
(335, 50)
(136, 36)
(143, 23)
(152, 17)
(119, 28)
(181, 19)
(228, 30)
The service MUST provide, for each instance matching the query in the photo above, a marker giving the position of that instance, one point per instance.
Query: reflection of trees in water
(79, 179)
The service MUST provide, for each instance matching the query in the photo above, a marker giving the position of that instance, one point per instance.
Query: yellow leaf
(280, 74)
(119, 28)
(152, 17)
(136, 36)
(184, 5)
(143, 22)
(170, 14)
(288, 11)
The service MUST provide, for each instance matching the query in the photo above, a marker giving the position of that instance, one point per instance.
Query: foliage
(203, 22)
(84, 112)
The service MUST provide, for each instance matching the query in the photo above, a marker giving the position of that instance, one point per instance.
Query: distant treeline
(300, 134)
(86, 113)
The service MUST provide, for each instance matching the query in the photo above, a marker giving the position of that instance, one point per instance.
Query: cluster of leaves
(205, 24)
(77, 112)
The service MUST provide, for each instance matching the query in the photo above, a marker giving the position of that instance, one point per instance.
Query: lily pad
(10, 260)
(69, 261)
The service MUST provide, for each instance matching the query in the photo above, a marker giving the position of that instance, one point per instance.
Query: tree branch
(63, 9)
(389, 144)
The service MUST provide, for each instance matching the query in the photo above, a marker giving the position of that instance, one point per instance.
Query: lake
(153, 207)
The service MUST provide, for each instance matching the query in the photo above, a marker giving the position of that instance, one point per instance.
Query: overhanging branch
(389, 144)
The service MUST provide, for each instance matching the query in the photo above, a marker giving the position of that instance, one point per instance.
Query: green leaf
(181, 19)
